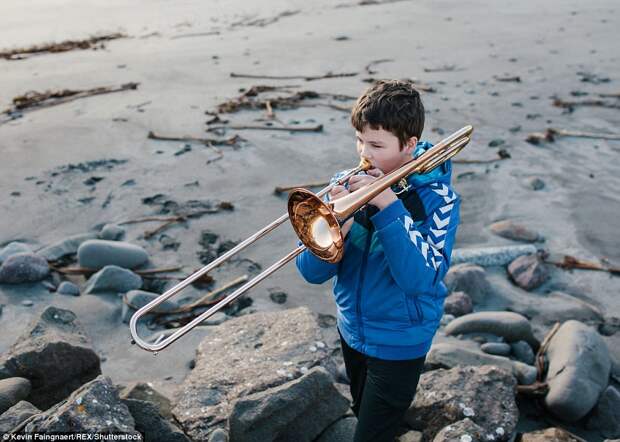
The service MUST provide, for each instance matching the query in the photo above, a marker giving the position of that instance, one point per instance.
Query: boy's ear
(411, 144)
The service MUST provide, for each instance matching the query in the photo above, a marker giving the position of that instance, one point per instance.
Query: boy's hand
(382, 200)
(334, 194)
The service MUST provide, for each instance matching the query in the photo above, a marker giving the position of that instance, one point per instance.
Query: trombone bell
(315, 225)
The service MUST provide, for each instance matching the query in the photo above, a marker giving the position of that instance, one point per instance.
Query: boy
(388, 286)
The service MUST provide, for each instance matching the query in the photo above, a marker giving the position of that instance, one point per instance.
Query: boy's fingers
(375, 172)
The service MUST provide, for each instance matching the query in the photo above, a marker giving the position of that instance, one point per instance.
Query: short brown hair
(392, 105)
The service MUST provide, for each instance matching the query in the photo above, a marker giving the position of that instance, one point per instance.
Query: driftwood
(281, 189)
(95, 42)
(232, 141)
(610, 95)
(295, 77)
(179, 218)
(571, 105)
(445, 68)
(374, 63)
(317, 128)
(550, 135)
(208, 299)
(515, 78)
(540, 386)
(570, 262)
(40, 100)
(249, 100)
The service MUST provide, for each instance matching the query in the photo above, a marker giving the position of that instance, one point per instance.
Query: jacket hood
(441, 173)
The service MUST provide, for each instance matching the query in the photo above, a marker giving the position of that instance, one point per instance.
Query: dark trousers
(382, 392)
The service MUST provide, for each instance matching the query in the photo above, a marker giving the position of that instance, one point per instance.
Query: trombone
(316, 223)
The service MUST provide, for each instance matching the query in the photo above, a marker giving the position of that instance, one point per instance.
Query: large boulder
(549, 435)
(463, 430)
(299, 410)
(579, 367)
(23, 267)
(448, 355)
(151, 424)
(13, 390)
(55, 355)
(93, 408)
(15, 415)
(143, 391)
(247, 355)
(486, 395)
(98, 253)
(468, 278)
(509, 325)
(606, 415)
(342, 430)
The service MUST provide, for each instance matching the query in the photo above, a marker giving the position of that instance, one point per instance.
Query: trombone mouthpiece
(365, 164)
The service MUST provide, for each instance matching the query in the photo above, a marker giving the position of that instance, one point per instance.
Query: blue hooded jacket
(388, 287)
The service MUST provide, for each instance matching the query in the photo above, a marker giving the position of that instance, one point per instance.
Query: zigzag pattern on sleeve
(431, 245)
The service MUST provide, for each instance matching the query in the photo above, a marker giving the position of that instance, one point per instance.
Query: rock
(94, 407)
(68, 288)
(535, 183)
(496, 142)
(458, 304)
(55, 355)
(606, 415)
(98, 253)
(277, 296)
(528, 272)
(113, 279)
(218, 435)
(143, 391)
(151, 424)
(490, 256)
(15, 415)
(579, 367)
(448, 355)
(266, 349)
(340, 431)
(468, 278)
(509, 325)
(341, 374)
(112, 232)
(511, 230)
(13, 248)
(557, 307)
(13, 390)
(410, 436)
(68, 246)
(523, 352)
(549, 435)
(23, 267)
(139, 298)
(496, 348)
(484, 394)
(274, 414)
(27, 303)
(461, 431)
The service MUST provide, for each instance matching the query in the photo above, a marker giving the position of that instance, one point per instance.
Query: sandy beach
(497, 67)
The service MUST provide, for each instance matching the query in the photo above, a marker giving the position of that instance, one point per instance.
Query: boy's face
(382, 148)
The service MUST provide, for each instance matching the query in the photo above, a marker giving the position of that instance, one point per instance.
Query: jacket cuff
(389, 214)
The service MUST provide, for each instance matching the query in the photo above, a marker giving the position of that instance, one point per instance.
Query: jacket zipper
(359, 285)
